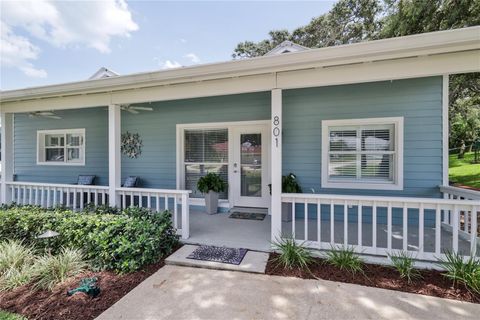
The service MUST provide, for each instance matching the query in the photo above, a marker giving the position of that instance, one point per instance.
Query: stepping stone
(254, 261)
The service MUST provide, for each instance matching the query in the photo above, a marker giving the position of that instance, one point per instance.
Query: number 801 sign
(276, 129)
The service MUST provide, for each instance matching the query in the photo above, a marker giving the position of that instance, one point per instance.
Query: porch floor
(220, 230)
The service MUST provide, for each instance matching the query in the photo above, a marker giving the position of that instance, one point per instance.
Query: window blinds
(362, 153)
(206, 150)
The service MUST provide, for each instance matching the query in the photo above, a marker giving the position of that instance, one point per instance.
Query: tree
(351, 21)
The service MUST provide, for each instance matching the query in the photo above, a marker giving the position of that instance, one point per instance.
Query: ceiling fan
(44, 114)
(135, 110)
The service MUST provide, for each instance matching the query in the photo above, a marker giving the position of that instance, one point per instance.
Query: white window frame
(41, 147)
(396, 184)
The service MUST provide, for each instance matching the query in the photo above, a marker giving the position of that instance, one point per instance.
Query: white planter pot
(211, 202)
(286, 212)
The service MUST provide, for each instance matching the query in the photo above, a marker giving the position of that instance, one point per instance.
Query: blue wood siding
(156, 166)
(419, 101)
(95, 122)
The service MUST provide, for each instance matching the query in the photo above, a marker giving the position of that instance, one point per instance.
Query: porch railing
(380, 225)
(52, 195)
(159, 200)
(469, 226)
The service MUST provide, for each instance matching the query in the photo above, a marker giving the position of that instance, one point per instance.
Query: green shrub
(405, 265)
(345, 259)
(122, 241)
(50, 270)
(292, 255)
(464, 272)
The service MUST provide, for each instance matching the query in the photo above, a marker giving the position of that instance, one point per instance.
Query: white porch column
(276, 165)
(114, 157)
(7, 155)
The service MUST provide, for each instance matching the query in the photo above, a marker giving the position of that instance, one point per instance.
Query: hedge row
(121, 241)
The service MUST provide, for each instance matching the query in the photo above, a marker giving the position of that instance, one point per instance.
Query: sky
(46, 42)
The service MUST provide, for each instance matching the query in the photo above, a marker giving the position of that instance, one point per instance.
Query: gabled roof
(103, 73)
(286, 47)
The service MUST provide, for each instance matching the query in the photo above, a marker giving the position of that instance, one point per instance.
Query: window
(363, 153)
(205, 150)
(61, 147)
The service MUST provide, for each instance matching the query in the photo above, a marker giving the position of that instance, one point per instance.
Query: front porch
(220, 230)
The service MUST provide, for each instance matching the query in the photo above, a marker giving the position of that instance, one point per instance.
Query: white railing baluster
(41, 196)
(166, 202)
(293, 219)
(438, 230)
(332, 223)
(421, 229)
(319, 221)
(389, 226)
(149, 201)
(305, 206)
(95, 201)
(157, 203)
(30, 195)
(455, 226)
(74, 205)
(24, 200)
(374, 225)
(473, 233)
(405, 228)
(345, 224)
(360, 224)
(175, 219)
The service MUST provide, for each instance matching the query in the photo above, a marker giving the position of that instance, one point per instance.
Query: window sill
(361, 185)
(79, 164)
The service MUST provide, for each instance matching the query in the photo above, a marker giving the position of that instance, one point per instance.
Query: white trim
(180, 154)
(6, 164)
(64, 132)
(398, 122)
(114, 154)
(445, 129)
(276, 164)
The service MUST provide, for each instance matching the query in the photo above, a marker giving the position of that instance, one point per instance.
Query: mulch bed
(48, 305)
(433, 283)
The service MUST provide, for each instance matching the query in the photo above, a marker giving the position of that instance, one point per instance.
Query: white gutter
(387, 49)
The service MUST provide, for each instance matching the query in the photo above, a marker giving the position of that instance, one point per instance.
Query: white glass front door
(250, 170)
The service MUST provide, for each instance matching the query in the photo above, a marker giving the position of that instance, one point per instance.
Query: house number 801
(276, 129)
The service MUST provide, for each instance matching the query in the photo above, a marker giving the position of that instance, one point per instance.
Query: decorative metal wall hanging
(131, 145)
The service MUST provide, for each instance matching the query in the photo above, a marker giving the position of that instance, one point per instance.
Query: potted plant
(289, 185)
(210, 185)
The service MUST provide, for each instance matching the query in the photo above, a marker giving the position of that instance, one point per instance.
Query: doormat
(248, 215)
(218, 254)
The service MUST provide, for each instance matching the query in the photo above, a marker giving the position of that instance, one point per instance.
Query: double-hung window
(363, 153)
(205, 151)
(61, 147)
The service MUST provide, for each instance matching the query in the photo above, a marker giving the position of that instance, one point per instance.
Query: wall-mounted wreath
(131, 145)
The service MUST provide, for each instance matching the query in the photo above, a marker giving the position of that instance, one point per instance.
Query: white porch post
(114, 158)
(276, 165)
(7, 155)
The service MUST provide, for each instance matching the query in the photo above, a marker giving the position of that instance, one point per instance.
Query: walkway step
(254, 261)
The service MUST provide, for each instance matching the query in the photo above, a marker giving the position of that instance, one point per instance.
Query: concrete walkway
(176, 292)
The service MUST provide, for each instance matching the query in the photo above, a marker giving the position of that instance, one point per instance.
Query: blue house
(363, 127)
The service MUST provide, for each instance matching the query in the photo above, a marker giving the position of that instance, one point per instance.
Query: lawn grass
(10, 316)
(463, 171)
